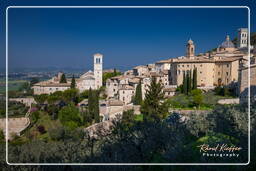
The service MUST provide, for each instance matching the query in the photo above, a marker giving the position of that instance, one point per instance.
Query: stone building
(242, 38)
(218, 68)
(244, 85)
(126, 93)
(86, 81)
(90, 79)
(140, 70)
(163, 65)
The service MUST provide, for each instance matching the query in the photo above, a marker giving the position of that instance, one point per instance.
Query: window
(123, 92)
(182, 65)
(200, 72)
(218, 73)
(97, 60)
(201, 65)
(187, 65)
(227, 65)
(227, 73)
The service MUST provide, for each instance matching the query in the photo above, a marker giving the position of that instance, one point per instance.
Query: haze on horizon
(126, 37)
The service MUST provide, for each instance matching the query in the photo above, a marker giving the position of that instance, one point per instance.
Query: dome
(227, 43)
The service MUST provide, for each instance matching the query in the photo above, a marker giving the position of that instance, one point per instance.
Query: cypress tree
(185, 84)
(195, 78)
(189, 81)
(73, 82)
(96, 107)
(90, 105)
(63, 78)
(93, 105)
(153, 107)
(138, 95)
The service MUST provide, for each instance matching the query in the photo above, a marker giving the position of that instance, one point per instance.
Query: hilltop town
(225, 66)
(178, 101)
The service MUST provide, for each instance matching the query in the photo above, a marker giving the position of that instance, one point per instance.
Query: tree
(57, 132)
(33, 81)
(93, 105)
(138, 95)
(70, 117)
(185, 83)
(154, 106)
(189, 81)
(41, 98)
(1, 135)
(25, 87)
(183, 87)
(86, 118)
(127, 118)
(73, 82)
(108, 75)
(96, 106)
(63, 78)
(71, 95)
(197, 97)
(194, 79)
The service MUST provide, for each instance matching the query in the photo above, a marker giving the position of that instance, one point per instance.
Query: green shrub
(1, 135)
(70, 116)
(34, 117)
(57, 133)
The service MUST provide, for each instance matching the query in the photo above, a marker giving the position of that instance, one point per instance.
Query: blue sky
(126, 37)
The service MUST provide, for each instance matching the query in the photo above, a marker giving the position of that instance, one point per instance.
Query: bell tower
(243, 38)
(98, 61)
(190, 51)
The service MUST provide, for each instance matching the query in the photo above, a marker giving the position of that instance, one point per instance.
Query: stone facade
(244, 83)
(163, 65)
(15, 126)
(86, 81)
(218, 68)
(126, 94)
(28, 101)
(140, 70)
(242, 37)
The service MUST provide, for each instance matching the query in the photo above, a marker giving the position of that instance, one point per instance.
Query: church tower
(190, 49)
(242, 38)
(98, 61)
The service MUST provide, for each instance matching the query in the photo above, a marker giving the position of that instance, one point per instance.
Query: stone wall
(229, 101)
(244, 83)
(26, 100)
(15, 125)
(188, 112)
